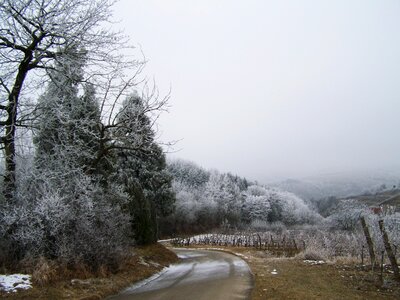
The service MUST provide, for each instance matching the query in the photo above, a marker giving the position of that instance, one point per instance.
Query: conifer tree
(142, 169)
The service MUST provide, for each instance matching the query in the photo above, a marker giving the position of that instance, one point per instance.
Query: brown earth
(145, 262)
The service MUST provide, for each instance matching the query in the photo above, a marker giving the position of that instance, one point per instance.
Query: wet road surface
(201, 274)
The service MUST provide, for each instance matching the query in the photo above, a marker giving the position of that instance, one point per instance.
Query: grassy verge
(296, 279)
(145, 262)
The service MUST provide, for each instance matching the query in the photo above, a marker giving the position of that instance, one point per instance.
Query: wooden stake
(389, 251)
(369, 242)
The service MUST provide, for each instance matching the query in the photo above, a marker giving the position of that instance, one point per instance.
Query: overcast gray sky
(274, 89)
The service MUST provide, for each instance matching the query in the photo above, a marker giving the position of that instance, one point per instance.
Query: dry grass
(45, 272)
(138, 265)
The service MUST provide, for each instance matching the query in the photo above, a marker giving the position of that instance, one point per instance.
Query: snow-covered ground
(14, 282)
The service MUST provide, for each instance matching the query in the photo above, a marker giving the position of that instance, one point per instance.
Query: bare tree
(34, 34)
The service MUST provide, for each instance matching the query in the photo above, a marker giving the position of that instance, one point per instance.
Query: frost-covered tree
(188, 173)
(214, 193)
(205, 199)
(347, 214)
(35, 34)
(256, 204)
(209, 199)
(67, 213)
(194, 210)
(273, 205)
(98, 176)
(295, 210)
(222, 190)
(233, 201)
(67, 123)
(142, 169)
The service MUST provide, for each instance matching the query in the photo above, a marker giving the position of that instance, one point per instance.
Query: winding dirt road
(201, 274)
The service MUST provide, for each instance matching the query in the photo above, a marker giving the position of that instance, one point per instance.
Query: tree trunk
(369, 241)
(12, 112)
(10, 130)
(144, 218)
(9, 176)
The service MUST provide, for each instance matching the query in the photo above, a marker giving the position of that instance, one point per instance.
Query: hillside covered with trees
(207, 200)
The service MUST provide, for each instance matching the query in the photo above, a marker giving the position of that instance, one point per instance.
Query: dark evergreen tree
(142, 169)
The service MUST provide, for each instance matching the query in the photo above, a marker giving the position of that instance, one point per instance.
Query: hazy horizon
(275, 89)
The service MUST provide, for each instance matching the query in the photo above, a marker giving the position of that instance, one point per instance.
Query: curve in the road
(201, 275)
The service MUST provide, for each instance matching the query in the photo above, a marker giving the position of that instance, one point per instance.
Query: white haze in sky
(273, 89)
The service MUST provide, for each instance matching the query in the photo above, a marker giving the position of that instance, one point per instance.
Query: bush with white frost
(77, 225)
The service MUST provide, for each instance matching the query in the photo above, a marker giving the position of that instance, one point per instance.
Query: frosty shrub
(347, 215)
(74, 223)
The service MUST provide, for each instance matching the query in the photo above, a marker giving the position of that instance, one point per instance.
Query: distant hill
(394, 200)
(341, 184)
(304, 189)
(387, 197)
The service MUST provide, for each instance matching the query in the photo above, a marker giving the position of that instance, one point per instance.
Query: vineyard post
(369, 241)
(389, 250)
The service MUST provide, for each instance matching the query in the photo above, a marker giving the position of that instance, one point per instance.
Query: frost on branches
(208, 199)
(96, 184)
(34, 35)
